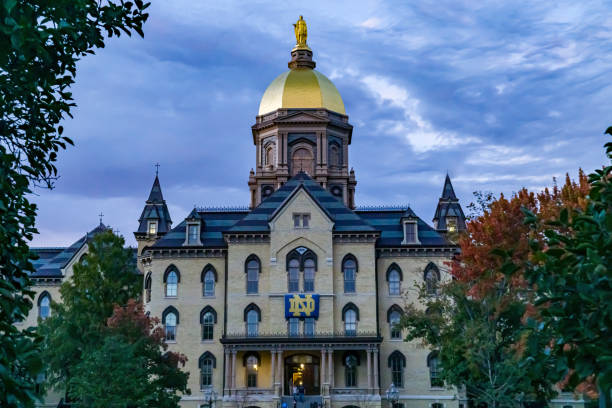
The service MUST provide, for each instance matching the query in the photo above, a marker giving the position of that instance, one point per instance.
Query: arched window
(253, 267)
(349, 270)
(171, 280)
(394, 315)
(432, 277)
(294, 276)
(309, 275)
(170, 320)
(148, 283)
(397, 362)
(302, 160)
(351, 361)
(334, 155)
(209, 277)
(433, 362)
(394, 277)
(44, 305)
(252, 317)
(208, 318)
(350, 315)
(252, 365)
(270, 155)
(206, 363)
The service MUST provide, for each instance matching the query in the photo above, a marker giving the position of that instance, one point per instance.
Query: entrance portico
(315, 363)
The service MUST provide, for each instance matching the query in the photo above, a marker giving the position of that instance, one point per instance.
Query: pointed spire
(155, 196)
(448, 193)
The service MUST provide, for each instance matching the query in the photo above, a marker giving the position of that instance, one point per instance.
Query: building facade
(296, 296)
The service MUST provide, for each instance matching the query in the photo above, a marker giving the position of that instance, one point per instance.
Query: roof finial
(100, 215)
(156, 169)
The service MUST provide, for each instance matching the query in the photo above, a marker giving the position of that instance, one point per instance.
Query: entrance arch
(304, 370)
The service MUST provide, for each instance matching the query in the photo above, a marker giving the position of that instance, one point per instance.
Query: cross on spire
(101, 216)
(156, 169)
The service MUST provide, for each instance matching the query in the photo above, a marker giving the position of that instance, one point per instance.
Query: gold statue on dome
(301, 32)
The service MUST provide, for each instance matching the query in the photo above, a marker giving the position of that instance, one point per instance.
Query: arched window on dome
(302, 160)
(335, 156)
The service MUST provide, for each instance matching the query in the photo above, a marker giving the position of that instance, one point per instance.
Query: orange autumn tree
(477, 321)
(501, 226)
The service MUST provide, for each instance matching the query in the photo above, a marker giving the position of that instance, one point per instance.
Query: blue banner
(301, 305)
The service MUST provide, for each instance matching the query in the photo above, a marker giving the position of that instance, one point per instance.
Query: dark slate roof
(344, 218)
(448, 193)
(52, 260)
(155, 196)
(389, 223)
(216, 222)
(155, 209)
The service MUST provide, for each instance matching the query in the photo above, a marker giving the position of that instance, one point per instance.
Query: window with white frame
(411, 232)
(171, 284)
(309, 275)
(293, 276)
(193, 234)
(152, 227)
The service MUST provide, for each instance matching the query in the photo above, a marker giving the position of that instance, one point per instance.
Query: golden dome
(301, 88)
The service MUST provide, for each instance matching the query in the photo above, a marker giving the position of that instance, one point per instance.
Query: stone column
(279, 370)
(227, 373)
(272, 369)
(369, 352)
(330, 368)
(234, 352)
(322, 379)
(376, 385)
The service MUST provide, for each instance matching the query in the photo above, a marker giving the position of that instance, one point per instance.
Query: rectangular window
(451, 224)
(207, 331)
(397, 375)
(410, 232)
(309, 276)
(152, 227)
(309, 327)
(296, 220)
(206, 375)
(192, 237)
(301, 220)
(252, 329)
(294, 326)
(396, 332)
(170, 333)
(252, 380)
(294, 279)
(349, 281)
(252, 281)
(209, 288)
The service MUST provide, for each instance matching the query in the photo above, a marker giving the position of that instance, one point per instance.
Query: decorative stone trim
(447, 251)
(151, 254)
(360, 237)
(248, 237)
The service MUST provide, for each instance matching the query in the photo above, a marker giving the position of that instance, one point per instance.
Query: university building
(299, 292)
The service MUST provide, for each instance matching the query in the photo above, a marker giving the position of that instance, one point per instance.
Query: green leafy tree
(573, 285)
(131, 360)
(40, 44)
(78, 325)
(481, 343)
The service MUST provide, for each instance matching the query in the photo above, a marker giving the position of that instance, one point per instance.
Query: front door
(302, 373)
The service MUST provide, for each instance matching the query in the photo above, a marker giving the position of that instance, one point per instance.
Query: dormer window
(152, 227)
(301, 220)
(411, 232)
(193, 234)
